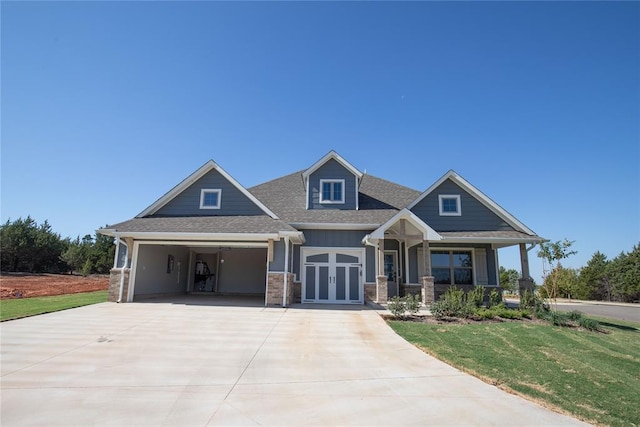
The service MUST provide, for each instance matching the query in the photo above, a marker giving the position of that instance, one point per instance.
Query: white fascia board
(202, 171)
(241, 237)
(428, 233)
(332, 155)
(332, 226)
(197, 244)
(296, 237)
(502, 241)
(107, 232)
(478, 195)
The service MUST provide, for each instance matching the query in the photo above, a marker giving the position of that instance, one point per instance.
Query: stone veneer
(428, 290)
(275, 288)
(526, 284)
(114, 284)
(370, 292)
(382, 289)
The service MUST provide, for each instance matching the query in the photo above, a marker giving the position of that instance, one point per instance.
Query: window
(210, 199)
(332, 191)
(454, 267)
(450, 205)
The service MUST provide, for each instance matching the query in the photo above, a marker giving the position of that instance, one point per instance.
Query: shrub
(485, 313)
(495, 298)
(452, 304)
(559, 319)
(397, 306)
(575, 315)
(507, 313)
(476, 296)
(528, 299)
(589, 324)
(413, 303)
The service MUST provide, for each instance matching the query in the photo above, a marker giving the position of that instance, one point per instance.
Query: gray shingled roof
(203, 224)
(379, 201)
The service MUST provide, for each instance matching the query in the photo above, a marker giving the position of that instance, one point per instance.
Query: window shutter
(482, 277)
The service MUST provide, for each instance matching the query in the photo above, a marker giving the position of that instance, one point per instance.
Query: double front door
(332, 276)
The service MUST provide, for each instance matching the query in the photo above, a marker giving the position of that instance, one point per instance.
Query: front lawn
(594, 376)
(24, 307)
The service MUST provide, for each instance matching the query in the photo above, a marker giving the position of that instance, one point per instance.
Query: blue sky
(106, 106)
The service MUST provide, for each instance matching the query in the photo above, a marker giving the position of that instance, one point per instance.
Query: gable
(225, 196)
(332, 171)
(474, 215)
(232, 201)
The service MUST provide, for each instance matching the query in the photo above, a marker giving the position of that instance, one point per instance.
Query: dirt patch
(17, 285)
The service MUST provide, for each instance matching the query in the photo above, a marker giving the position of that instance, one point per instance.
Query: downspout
(126, 260)
(286, 271)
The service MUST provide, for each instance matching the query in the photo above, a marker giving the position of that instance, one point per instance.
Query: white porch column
(286, 272)
(382, 289)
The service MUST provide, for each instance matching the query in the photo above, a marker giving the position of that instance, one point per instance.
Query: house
(327, 234)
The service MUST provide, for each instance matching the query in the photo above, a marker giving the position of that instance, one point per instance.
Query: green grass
(594, 376)
(24, 307)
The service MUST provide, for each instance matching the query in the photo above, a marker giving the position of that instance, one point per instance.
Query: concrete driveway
(188, 363)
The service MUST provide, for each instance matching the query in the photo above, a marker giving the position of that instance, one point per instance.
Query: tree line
(27, 246)
(602, 279)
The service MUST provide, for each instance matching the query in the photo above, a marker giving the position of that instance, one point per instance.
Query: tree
(625, 276)
(509, 279)
(553, 253)
(90, 255)
(566, 281)
(594, 282)
(27, 246)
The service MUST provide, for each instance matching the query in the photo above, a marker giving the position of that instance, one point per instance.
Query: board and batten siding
(232, 202)
(332, 170)
(475, 216)
(338, 239)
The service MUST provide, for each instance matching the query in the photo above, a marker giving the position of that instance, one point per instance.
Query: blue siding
(475, 216)
(278, 256)
(332, 170)
(335, 238)
(370, 264)
(233, 202)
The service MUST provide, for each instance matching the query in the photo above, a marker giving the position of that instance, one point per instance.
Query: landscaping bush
(452, 304)
(476, 296)
(397, 306)
(575, 315)
(413, 303)
(589, 324)
(559, 319)
(485, 313)
(495, 298)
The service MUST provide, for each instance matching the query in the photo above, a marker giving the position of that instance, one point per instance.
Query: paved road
(169, 363)
(621, 312)
(629, 312)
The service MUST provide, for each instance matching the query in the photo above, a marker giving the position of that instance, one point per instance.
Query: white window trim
(210, 190)
(442, 197)
(337, 202)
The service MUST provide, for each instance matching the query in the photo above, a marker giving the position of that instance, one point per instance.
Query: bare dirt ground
(21, 285)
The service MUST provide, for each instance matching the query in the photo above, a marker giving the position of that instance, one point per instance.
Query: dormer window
(449, 205)
(332, 191)
(210, 198)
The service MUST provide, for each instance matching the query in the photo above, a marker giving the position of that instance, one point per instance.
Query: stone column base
(526, 284)
(275, 289)
(428, 290)
(382, 289)
(114, 284)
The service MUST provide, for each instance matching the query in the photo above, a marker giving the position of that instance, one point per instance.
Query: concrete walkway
(193, 364)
